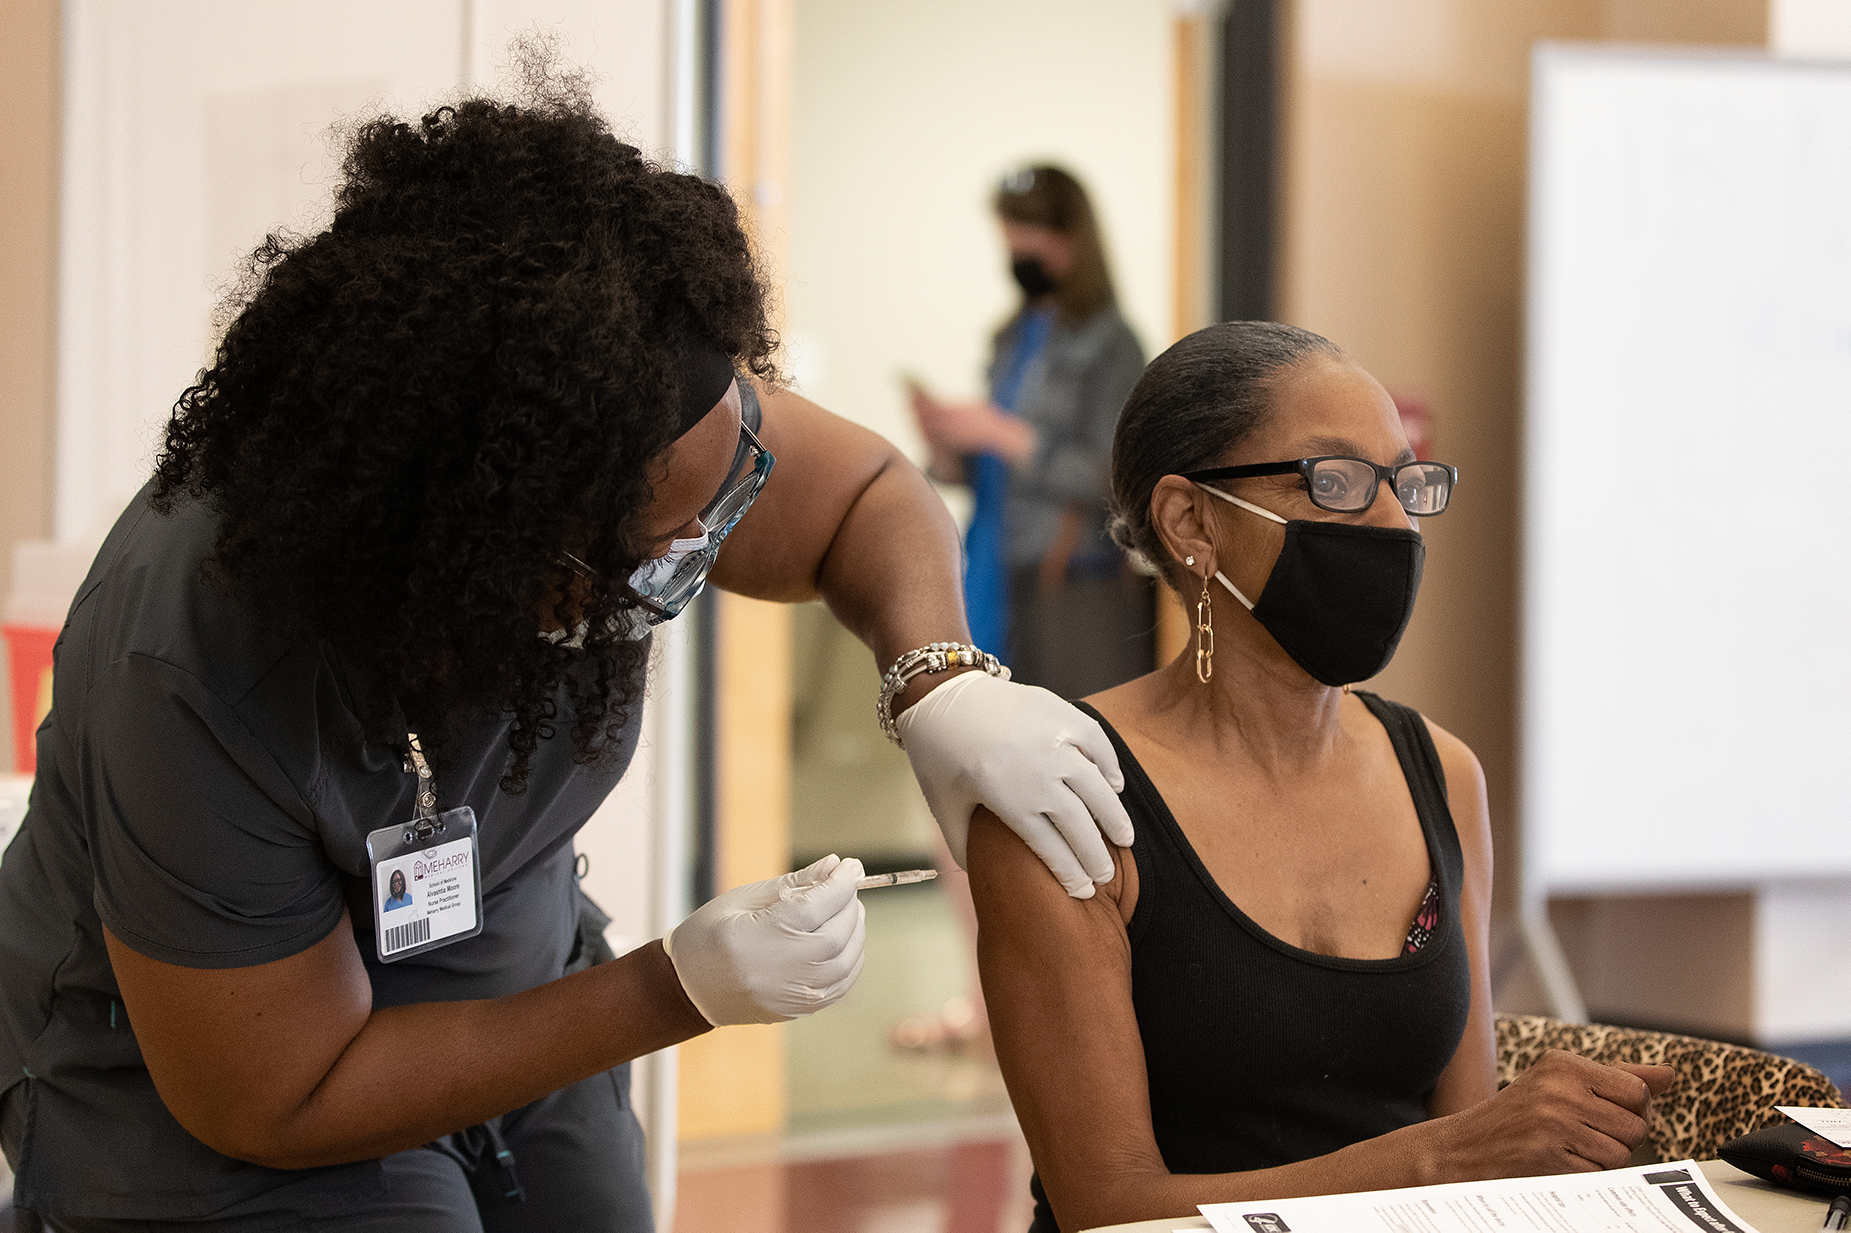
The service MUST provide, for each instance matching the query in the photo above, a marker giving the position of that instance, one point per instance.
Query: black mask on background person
(1032, 277)
(1340, 596)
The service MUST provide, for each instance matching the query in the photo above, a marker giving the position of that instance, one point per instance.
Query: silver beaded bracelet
(938, 657)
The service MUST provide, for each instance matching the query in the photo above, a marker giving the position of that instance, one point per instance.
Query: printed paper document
(1661, 1198)
(1833, 1124)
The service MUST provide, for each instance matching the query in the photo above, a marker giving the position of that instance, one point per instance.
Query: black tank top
(1259, 1053)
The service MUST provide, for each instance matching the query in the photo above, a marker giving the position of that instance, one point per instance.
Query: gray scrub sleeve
(204, 853)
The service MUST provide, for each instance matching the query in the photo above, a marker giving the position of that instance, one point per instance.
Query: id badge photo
(427, 876)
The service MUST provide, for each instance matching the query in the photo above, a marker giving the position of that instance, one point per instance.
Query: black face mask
(1032, 277)
(1340, 596)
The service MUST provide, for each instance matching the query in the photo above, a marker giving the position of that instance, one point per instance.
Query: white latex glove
(1041, 765)
(775, 950)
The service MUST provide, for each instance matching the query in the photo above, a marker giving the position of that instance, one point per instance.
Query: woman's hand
(973, 428)
(1565, 1114)
(946, 465)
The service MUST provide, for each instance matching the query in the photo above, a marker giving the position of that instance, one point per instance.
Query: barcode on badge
(400, 936)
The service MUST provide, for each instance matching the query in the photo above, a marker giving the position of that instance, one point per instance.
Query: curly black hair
(411, 413)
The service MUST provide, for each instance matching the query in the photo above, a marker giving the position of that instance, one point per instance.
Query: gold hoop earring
(1204, 635)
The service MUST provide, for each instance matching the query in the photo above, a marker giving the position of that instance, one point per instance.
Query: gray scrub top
(207, 795)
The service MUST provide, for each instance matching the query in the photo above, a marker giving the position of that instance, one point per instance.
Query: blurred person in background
(1041, 577)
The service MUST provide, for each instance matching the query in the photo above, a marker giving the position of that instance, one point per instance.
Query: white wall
(904, 118)
(1819, 28)
(1802, 969)
(192, 127)
(624, 43)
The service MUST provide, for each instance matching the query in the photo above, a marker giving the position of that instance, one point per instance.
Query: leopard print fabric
(1722, 1091)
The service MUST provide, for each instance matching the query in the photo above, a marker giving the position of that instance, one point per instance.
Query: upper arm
(1056, 968)
(824, 465)
(1472, 1074)
(203, 852)
(236, 1052)
(223, 915)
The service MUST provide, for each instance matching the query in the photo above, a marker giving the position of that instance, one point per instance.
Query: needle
(905, 877)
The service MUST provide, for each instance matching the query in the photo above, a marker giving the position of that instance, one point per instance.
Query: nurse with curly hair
(385, 605)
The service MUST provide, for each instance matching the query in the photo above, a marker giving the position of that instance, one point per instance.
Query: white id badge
(427, 883)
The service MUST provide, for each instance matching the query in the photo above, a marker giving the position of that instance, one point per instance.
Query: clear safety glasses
(1348, 485)
(661, 593)
(665, 598)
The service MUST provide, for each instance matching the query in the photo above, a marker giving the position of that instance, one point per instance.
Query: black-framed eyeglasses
(661, 595)
(1348, 485)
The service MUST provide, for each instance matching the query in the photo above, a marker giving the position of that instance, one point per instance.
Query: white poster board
(1687, 554)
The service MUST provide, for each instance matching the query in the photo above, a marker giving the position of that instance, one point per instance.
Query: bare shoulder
(1465, 778)
(1011, 886)
(1465, 795)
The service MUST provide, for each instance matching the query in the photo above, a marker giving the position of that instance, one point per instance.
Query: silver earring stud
(1188, 560)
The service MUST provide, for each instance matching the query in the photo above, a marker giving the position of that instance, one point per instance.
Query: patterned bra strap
(1426, 920)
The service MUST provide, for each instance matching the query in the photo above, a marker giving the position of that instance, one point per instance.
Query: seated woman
(1285, 991)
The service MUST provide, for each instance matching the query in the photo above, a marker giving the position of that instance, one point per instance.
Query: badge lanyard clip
(425, 820)
(426, 873)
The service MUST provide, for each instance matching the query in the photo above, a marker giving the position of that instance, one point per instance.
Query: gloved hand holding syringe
(775, 950)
